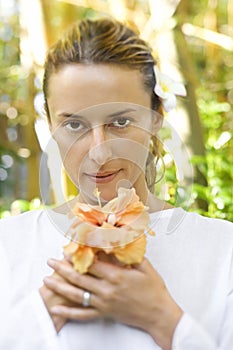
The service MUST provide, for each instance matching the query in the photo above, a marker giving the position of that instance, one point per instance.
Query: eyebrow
(116, 114)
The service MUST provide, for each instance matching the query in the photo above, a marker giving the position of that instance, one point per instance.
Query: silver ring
(86, 298)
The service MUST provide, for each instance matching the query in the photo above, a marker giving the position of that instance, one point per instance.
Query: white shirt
(193, 254)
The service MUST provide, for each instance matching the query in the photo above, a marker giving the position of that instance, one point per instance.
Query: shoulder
(18, 233)
(31, 233)
(34, 224)
(21, 221)
(20, 228)
(192, 240)
(206, 225)
(209, 238)
(178, 218)
(215, 233)
(182, 227)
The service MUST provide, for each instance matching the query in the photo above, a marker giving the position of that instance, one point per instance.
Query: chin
(108, 190)
(106, 193)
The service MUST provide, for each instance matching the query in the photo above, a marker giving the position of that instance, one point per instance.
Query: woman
(104, 114)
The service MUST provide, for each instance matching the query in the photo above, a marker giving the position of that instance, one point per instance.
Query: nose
(100, 149)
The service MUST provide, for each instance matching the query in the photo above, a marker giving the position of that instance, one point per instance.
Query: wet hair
(106, 41)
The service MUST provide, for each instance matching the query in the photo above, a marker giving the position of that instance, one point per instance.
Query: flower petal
(118, 204)
(119, 228)
(70, 248)
(178, 89)
(169, 103)
(160, 92)
(110, 237)
(167, 89)
(88, 213)
(133, 252)
(134, 215)
(83, 259)
(78, 231)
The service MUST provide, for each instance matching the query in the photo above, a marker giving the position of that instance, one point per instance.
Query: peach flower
(117, 228)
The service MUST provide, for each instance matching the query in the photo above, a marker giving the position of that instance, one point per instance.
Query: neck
(150, 200)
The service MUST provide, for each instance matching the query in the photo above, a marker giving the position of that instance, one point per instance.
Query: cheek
(133, 152)
(74, 156)
(72, 153)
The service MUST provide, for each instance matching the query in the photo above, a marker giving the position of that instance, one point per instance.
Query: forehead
(78, 86)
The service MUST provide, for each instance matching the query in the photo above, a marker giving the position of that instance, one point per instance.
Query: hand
(52, 299)
(136, 296)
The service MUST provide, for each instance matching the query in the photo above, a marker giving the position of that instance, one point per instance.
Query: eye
(121, 123)
(74, 126)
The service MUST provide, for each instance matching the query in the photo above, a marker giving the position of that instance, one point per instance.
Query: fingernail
(51, 262)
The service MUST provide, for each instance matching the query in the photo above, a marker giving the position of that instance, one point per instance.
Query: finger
(148, 269)
(64, 289)
(54, 262)
(74, 313)
(144, 266)
(108, 272)
(70, 292)
(67, 271)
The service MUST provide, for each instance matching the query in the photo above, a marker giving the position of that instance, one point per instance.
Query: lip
(103, 177)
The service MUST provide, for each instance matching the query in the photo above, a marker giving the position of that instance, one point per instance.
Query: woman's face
(102, 123)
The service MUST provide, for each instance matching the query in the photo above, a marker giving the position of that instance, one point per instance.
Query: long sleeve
(27, 325)
(190, 335)
(24, 320)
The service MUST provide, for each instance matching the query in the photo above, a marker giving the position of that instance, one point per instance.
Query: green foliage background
(214, 97)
